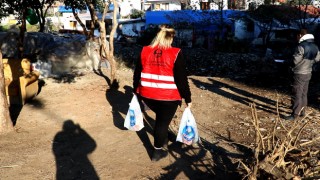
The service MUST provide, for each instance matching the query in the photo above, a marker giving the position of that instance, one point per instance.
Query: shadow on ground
(71, 147)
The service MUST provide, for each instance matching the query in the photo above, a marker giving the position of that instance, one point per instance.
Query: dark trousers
(300, 92)
(164, 110)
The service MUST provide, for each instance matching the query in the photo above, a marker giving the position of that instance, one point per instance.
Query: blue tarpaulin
(62, 9)
(192, 17)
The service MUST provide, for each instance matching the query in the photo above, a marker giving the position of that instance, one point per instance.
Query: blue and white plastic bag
(188, 132)
(134, 118)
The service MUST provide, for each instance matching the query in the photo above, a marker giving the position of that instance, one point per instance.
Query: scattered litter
(202, 87)
(12, 166)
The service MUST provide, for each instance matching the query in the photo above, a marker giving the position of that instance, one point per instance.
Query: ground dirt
(74, 130)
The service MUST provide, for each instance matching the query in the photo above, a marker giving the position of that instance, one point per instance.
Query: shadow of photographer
(71, 147)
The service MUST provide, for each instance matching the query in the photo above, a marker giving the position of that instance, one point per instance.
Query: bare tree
(91, 6)
(5, 120)
(107, 47)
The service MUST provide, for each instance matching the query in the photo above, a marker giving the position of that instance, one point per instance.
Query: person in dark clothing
(160, 81)
(119, 32)
(306, 54)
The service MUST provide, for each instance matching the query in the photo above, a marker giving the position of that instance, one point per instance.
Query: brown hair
(303, 32)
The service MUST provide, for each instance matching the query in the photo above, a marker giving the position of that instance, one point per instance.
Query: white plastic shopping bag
(188, 132)
(134, 118)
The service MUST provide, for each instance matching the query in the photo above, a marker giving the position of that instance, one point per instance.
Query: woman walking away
(160, 81)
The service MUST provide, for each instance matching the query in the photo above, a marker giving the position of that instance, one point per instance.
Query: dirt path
(75, 131)
(94, 143)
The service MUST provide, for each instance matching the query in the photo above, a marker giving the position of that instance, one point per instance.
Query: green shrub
(33, 28)
(135, 13)
(4, 28)
(30, 28)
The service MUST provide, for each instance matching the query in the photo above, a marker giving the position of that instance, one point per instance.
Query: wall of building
(132, 28)
(155, 5)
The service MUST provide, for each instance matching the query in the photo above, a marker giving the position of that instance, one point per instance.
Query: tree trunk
(5, 120)
(107, 48)
(93, 18)
(113, 63)
(86, 33)
(41, 18)
(42, 13)
(23, 29)
(104, 45)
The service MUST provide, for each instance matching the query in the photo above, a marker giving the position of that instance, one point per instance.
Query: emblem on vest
(157, 58)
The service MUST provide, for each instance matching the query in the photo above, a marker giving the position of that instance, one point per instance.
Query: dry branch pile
(277, 153)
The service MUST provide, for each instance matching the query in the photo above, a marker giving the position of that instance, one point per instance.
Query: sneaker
(159, 154)
(290, 118)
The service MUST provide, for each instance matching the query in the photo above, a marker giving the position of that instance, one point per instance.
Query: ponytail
(164, 37)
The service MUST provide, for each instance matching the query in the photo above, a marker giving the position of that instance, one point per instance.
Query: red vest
(157, 81)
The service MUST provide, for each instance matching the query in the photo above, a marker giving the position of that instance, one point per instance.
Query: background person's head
(302, 33)
(164, 37)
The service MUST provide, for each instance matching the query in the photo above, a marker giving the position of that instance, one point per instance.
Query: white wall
(127, 6)
(128, 28)
(162, 5)
(67, 23)
(174, 6)
(257, 2)
(316, 4)
(195, 4)
(240, 30)
(215, 6)
(136, 4)
(67, 15)
(4, 20)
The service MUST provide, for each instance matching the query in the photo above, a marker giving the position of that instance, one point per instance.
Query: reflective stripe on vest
(157, 77)
(146, 78)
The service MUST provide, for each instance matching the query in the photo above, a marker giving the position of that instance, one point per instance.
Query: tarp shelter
(197, 28)
(191, 17)
(63, 9)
